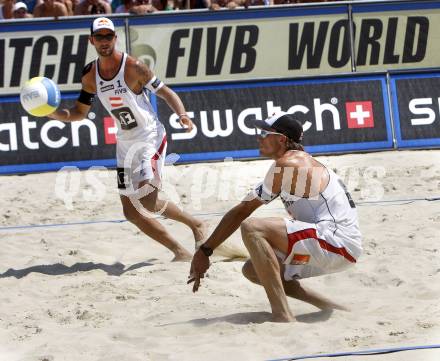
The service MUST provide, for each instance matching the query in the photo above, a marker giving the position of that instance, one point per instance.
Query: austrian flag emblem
(116, 102)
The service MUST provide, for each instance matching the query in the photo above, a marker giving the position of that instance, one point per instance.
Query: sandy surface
(104, 291)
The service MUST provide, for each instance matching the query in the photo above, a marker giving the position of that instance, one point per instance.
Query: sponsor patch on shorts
(300, 259)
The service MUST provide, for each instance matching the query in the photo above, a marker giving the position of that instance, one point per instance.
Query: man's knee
(249, 272)
(147, 195)
(249, 228)
(249, 225)
(130, 214)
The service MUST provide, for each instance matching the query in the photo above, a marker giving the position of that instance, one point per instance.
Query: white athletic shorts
(139, 161)
(314, 251)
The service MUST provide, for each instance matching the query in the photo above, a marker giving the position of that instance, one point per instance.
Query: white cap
(102, 23)
(20, 5)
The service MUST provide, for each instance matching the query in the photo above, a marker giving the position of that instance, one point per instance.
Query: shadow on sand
(244, 318)
(116, 269)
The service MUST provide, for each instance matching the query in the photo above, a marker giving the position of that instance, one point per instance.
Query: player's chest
(112, 87)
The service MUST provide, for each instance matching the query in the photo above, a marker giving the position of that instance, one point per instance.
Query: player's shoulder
(135, 63)
(88, 68)
(135, 68)
(294, 158)
(88, 75)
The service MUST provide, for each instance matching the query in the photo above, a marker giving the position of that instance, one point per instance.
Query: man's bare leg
(170, 210)
(267, 270)
(154, 229)
(295, 290)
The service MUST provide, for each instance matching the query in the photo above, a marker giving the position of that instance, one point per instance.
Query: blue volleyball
(40, 96)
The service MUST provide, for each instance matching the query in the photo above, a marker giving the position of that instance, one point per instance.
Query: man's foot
(283, 318)
(182, 256)
(200, 232)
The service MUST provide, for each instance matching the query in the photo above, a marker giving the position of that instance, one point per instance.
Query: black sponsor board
(342, 115)
(346, 114)
(31, 143)
(416, 107)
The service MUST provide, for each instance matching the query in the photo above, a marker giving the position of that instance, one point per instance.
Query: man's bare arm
(147, 79)
(78, 112)
(82, 106)
(231, 221)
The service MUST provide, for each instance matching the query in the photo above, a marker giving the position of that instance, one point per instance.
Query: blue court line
(359, 353)
(215, 214)
(61, 224)
(409, 200)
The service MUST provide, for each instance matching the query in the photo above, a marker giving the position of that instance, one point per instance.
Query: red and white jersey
(332, 211)
(133, 113)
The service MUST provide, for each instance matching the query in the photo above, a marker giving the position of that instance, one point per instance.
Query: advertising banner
(416, 105)
(348, 114)
(237, 45)
(28, 143)
(56, 50)
(342, 115)
(397, 36)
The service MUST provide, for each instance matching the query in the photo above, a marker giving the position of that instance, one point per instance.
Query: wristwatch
(207, 251)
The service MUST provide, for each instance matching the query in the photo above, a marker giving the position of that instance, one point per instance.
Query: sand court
(82, 284)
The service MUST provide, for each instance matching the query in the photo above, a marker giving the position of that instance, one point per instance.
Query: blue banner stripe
(286, 82)
(403, 6)
(65, 24)
(47, 167)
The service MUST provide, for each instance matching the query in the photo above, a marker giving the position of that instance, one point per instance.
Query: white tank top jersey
(333, 211)
(133, 113)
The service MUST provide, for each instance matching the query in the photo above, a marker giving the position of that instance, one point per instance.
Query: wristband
(207, 251)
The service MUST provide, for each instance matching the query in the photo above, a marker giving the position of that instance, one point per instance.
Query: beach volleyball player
(121, 82)
(321, 234)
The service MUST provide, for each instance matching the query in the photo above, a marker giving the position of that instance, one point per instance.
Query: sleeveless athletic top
(333, 209)
(133, 113)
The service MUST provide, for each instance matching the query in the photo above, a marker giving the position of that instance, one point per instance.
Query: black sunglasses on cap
(101, 37)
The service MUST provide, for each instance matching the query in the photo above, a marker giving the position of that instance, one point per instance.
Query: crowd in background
(15, 9)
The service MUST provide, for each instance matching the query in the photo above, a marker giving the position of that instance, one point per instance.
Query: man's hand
(186, 122)
(199, 265)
